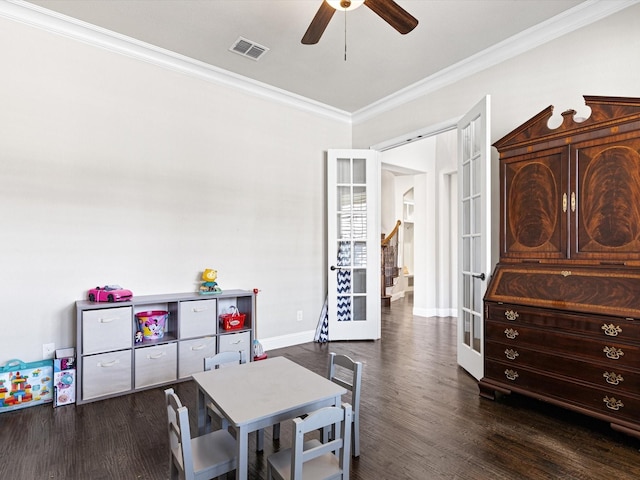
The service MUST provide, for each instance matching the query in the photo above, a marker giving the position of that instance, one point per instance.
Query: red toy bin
(233, 320)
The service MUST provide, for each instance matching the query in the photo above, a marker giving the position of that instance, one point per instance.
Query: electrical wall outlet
(299, 317)
(48, 351)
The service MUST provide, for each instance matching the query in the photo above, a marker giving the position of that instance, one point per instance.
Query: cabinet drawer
(106, 374)
(198, 318)
(106, 329)
(236, 342)
(191, 355)
(602, 374)
(622, 329)
(155, 365)
(603, 401)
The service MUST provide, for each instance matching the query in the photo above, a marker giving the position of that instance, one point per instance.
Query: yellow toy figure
(209, 285)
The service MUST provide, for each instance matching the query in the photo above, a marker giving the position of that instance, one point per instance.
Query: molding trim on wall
(287, 340)
(577, 17)
(36, 16)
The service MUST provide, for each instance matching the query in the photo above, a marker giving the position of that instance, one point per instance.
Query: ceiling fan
(388, 10)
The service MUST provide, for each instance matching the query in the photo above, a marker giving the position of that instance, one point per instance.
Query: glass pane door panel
(344, 226)
(344, 309)
(360, 308)
(467, 328)
(477, 178)
(477, 214)
(344, 254)
(466, 180)
(360, 199)
(344, 199)
(466, 254)
(466, 217)
(477, 251)
(359, 280)
(360, 170)
(360, 254)
(359, 226)
(343, 170)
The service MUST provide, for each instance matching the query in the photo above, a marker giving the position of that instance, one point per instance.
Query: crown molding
(577, 17)
(36, 16)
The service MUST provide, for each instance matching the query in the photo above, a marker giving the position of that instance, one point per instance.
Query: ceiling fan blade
(318, 24)
(393, 14)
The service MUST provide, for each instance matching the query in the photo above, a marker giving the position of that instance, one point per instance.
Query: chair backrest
(179, 434)
(338, 417)
(347, 373)
(223, 358)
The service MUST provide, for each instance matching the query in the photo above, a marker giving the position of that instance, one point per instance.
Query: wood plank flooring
(422, 418)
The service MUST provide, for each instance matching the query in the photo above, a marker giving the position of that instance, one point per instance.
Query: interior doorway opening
(419, 187)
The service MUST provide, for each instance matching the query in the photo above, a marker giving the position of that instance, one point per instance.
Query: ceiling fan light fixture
(346, 5)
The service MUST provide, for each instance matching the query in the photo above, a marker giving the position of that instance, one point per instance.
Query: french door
(474, 242)
(353, 239)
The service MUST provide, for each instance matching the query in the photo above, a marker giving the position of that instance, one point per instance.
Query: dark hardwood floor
(422, 418)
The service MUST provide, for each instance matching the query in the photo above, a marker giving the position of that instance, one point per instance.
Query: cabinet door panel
(534, 217)
(606, 223)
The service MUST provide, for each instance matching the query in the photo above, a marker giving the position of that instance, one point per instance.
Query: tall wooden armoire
(562, 308)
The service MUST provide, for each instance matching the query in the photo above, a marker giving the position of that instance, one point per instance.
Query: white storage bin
(106, 329)
(154, 365)
(235, 342)
(198, 318)
(191, 355)
(106, 374)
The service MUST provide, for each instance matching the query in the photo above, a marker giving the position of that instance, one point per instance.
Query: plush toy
(209, 285)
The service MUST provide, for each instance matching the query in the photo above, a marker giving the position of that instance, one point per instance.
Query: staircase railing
(389, 263)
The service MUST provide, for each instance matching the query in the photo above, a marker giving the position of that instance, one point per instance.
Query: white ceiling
(379, 61)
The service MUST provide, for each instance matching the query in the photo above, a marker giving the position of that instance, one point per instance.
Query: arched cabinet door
(535, 212)
(606, 220)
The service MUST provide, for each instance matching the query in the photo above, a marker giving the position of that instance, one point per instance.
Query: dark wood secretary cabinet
(562, 308)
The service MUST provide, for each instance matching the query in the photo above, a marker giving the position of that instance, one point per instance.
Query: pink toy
(110, 293)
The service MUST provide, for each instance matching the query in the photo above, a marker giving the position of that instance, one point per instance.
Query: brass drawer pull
(511, 333)
(511, 354)
(612, 403)
(611, 330)
(613, 352)
(564, 202)
(613, 378)
(511, 374)
(511, 315)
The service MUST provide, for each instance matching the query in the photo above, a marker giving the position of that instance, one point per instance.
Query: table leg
(201, 410)
(242, 441)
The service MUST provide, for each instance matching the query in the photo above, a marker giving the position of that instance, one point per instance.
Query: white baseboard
(283, 341)
(435, 312)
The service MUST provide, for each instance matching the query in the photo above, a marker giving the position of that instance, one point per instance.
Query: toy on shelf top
(110, 293)
(209, 285)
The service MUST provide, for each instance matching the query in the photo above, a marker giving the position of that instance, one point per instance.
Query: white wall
(113, 170)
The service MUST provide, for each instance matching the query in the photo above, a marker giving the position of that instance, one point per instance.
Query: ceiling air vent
(248, 49)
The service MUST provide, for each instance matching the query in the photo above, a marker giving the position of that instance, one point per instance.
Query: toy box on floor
(64, 377)
(25, 384)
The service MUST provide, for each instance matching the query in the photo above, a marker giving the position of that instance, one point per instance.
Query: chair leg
(276, 431)
(355, 437)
